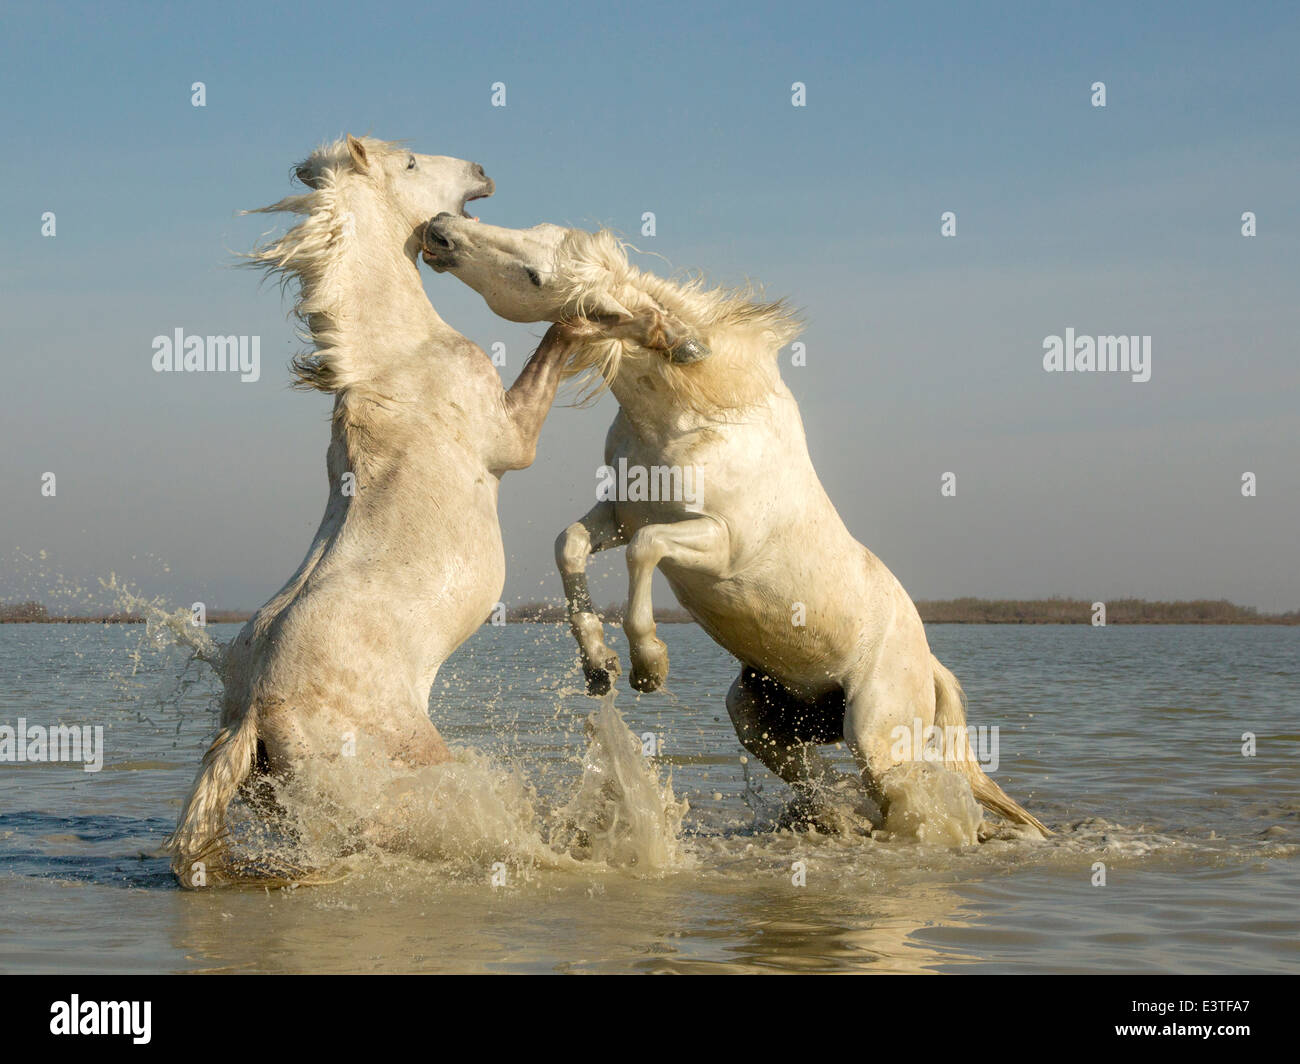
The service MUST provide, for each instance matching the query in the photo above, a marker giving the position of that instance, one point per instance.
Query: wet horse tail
(196, 846)
(950, 719)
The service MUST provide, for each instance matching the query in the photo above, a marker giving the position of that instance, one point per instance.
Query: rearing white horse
(830, 644)
(408, 559)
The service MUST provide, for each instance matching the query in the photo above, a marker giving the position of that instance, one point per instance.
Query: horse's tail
(195, 846)
(950, 719)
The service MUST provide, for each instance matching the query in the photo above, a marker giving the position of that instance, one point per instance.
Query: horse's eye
(411, 163)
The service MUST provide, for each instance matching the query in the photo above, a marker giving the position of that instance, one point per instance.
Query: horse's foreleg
(700, 544)
(529, 399)
(596, 530)
(653, 328)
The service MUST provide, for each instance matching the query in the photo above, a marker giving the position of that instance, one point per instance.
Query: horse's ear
(360, 160)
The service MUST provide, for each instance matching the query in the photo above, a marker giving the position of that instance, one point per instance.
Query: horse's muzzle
(438, 247)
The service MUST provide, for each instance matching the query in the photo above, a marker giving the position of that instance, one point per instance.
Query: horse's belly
(782, 639)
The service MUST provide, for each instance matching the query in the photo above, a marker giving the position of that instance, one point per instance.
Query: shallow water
(1126, 740)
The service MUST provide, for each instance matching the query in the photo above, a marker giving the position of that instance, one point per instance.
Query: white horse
(408, 559)
(830, 644)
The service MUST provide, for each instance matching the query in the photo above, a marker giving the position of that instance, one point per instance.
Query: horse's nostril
(434, 237)
(479, 171)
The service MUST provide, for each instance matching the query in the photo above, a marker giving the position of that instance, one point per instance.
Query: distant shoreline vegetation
(1077, 611)
(38, 613)
(947, 611)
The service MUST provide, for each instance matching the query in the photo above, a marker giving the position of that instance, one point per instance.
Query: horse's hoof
(645, 682)
(798, 817)
(649, 667)
(801, 814)
(600, 678)
(826, 817)
(688, 351)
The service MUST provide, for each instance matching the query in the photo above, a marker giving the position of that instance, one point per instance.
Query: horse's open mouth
(438, 249)
(482, 193)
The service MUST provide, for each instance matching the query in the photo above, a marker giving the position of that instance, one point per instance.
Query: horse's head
(412, 186)
(514, 270)
(527, 275)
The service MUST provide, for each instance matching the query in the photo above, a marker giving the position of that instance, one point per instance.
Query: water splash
(930, 804)
(163, 626)
(473, 812)
(621, 812)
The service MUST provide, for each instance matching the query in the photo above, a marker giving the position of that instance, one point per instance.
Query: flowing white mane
(744, 333)
(311, 254)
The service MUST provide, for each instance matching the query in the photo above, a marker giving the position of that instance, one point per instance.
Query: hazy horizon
(924, 352)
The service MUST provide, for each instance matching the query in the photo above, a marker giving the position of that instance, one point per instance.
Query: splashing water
(472, 812)
(163, 626)
(621, 814)
(930, 804)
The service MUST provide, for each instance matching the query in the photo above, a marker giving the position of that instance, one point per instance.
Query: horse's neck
(392, 347)
(372, 314)
(653, 412)
(382, 316)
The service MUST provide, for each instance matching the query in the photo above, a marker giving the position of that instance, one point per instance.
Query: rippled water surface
(1126, 740)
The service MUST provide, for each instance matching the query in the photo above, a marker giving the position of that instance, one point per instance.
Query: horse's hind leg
(784, 733)
(258, 790)
(597, 530)
(884, 713)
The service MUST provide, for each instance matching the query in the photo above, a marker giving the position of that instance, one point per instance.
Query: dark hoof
(600, 678)
(600, 681)
(803, 814)
(831, 813)
(688, 351)
(645, 682)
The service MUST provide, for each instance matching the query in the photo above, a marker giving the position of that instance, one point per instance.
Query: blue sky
(924, 353)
